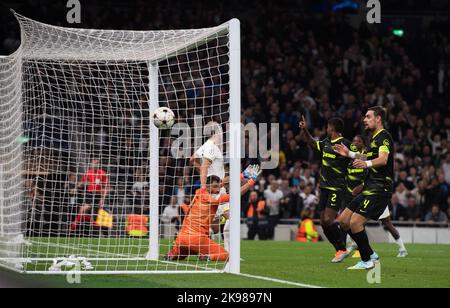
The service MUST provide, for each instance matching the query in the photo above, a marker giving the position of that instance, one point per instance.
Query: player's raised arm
(303, 125)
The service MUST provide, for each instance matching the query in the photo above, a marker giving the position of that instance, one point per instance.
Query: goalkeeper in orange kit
(193, 238)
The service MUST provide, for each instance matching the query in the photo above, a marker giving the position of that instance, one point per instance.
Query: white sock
(226, 236)
(400, 244)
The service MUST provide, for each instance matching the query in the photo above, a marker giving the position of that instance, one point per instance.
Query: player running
(193, 238)
(333, 173)
(355, 183)
(378, 185)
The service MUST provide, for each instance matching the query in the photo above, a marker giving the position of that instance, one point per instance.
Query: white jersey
(212, 152)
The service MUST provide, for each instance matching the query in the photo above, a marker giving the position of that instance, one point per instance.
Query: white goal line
(281, 281)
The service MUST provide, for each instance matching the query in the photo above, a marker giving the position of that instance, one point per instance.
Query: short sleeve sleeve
(210, 152)
(385, 146)
(319, 146)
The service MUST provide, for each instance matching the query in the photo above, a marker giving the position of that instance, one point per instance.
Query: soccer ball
(163, 118)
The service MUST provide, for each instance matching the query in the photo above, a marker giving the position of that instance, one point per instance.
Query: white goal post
(77, 138)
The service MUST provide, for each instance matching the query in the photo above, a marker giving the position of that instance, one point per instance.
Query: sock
(343, 237)
(226, 235)
(400, 244)
(329, 235)
(334, 235)
(350, 236)
(362, 241)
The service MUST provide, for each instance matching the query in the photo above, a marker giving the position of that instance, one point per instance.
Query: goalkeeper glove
(255, 172)
(247, 172)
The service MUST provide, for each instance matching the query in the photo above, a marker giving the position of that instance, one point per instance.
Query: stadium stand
(295, 63)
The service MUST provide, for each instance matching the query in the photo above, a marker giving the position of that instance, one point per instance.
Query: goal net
(87, 182)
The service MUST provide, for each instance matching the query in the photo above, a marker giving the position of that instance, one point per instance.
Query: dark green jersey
(380, 180)
(333, 172)
(355, 177)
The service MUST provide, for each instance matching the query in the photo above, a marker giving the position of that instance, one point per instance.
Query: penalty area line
(297, 284)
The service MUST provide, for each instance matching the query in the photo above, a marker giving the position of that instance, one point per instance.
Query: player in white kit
(208, 160)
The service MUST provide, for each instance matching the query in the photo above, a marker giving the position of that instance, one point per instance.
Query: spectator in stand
(257, 217)
(412, 177)
(398, 211)
(403, 178)
(296, 202)
(273, 197)
(307, 178)
(171, 213)
(436, 215)
(446, 167)
(444, 190)
(296, 178)
(413, 212)
(179, 190)
(309, 198)
(402, 194)
(447, 207)
(420, 194)
(141, 192)
(285, 202)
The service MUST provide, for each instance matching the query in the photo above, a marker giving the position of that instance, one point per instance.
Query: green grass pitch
(426, 266)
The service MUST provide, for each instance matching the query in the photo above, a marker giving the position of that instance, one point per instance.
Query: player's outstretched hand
(341, 149)
(359, 164)
(302, 124)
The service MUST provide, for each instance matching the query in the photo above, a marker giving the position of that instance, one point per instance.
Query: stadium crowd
(320, 66)
(337, 70)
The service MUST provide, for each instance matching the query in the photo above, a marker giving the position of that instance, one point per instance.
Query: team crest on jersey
(386, 142)
(373, 144)
(353, 147)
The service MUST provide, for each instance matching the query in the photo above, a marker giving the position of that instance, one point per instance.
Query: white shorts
(386, 214)
(223, 208)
